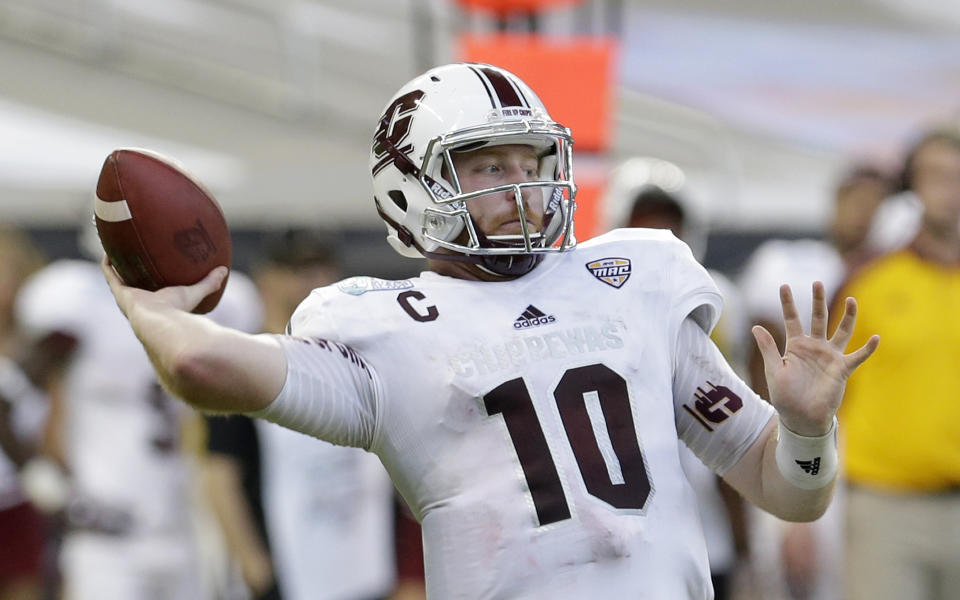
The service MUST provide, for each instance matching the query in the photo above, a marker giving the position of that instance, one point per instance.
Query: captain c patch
(612, 271)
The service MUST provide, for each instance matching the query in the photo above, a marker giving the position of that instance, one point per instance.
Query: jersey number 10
(594, 405)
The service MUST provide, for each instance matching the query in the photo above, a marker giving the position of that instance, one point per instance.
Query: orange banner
(505, 7)
(573, 76)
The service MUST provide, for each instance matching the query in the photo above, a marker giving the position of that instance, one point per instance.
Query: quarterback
(525, 393)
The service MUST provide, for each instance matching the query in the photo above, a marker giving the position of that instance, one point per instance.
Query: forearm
(225, 493)
(760, 480)
(211, 367)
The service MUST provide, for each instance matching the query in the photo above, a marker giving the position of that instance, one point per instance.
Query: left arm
(806, 387)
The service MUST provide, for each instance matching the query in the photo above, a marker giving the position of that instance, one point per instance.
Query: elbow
(225, 371)
(192, 376)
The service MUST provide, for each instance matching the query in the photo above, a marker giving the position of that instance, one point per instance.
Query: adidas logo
(812, 467)
(533, 317)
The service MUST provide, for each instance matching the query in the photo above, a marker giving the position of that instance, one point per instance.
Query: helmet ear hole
(399, 199)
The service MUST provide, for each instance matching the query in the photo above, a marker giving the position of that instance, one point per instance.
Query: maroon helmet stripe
(516, 88)
(486, 86)
(501, 85)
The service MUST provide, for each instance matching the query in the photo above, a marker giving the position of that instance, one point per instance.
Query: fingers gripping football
(181, 297)
(807, 382)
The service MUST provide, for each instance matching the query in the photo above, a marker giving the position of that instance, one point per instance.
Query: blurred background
(765, 133)
(272, 103)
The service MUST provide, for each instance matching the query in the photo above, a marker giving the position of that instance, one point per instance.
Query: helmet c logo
(392, 131)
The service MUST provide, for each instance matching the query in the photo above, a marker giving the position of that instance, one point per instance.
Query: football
(158, 224)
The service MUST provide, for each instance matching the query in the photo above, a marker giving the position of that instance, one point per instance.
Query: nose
(526, 196)
(518, 174)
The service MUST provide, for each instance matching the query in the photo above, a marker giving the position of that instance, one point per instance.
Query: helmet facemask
(447, 222)
(445, 113)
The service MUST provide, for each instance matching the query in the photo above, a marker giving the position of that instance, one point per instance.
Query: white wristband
(807, 462)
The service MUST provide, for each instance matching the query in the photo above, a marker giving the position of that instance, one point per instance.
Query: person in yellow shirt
(898, 418)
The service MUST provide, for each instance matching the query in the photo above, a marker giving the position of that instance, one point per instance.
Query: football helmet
(459, 108)
(643, 178)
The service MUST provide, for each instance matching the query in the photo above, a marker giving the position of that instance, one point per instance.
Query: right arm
(211, 367)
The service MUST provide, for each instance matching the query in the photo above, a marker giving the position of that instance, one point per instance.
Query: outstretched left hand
(806, 384)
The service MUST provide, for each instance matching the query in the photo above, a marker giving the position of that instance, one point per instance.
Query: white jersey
(714, 517)
(28, 411)
(329, 514)
(122, 429)
(532, 425)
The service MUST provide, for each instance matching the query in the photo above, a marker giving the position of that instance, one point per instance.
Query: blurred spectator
(116, 435)
(22, 414)
(897, 220)
(902, 442)
(19, 257)
(802, 560)
(799, 263)
(232, 469)
(231, 474)
(328, 508)
(857, 199)
(652, 195)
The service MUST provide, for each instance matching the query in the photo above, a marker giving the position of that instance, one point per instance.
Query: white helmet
(462, 107)
(641, 179)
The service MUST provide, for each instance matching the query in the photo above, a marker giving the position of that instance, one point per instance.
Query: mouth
(514, 227)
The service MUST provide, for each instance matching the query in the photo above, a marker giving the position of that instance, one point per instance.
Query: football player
(525, 394)
(117, 435)
(22, 412)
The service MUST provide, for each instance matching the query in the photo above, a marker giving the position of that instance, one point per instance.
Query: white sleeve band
(330, 393)
(807, 462)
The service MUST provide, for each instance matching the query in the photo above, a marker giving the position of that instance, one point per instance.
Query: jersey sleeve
(697, 296)
(671, 270)
(718, 416)
(330, 393)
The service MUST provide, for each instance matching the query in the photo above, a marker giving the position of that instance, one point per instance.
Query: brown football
(158, 224)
